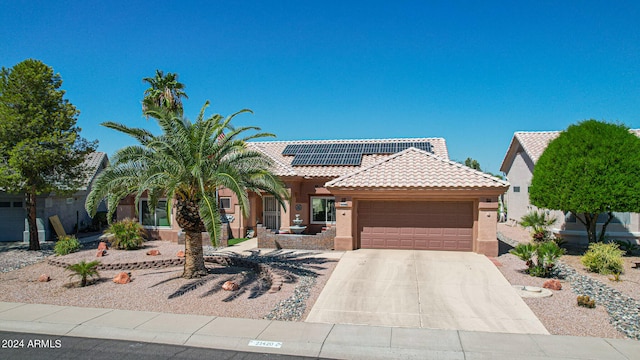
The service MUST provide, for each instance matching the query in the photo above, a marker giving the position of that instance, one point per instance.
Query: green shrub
(540, 258)
(66, 245)
(128, 234)
(84, 270)
(604, 258)
(539, 222)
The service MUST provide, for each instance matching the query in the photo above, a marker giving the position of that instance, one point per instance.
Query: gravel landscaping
(617, 312)
(616, 315)
(163, 289)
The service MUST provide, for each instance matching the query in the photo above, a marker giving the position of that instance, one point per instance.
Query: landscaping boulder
(180, 254)
(101, 253)
(153, 252)
(122, 278)
(230, 286)
(552, 284)
(44, 278)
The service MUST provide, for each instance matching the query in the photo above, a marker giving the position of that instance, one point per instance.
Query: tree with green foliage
(41, 150)
(472, 163)
(188, 162)
(165, 91)
(592, 168)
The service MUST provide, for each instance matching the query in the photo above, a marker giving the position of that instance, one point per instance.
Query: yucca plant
(84, 270)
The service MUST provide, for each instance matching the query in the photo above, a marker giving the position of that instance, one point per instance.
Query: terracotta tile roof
(282, 163)
(413, 168)
(534, 143)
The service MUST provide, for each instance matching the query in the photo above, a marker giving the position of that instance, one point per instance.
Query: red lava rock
(101, 253)
(44, 278)
(103, 246)
(122, 278)
(153, 252)
(230, 286)
(552, 284)
(180, 254)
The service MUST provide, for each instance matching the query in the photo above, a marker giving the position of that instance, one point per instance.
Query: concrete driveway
(423, 289)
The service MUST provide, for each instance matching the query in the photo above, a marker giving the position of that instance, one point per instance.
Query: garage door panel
(416, 225)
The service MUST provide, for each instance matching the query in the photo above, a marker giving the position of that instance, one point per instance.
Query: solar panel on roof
(346, 154)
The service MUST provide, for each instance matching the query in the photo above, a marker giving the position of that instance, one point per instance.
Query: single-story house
(69, 209)
(383, 193)
(525, 149)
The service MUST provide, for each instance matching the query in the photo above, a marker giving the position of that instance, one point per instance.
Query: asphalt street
(20, 346)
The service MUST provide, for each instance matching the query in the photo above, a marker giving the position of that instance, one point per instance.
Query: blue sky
(472, 72)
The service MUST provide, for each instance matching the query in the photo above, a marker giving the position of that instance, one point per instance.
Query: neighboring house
(70, 209)
(387, 193)
(524, 151)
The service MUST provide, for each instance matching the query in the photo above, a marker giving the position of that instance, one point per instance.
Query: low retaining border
(275, 279)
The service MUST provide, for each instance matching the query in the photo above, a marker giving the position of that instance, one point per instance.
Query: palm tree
(164, 91)
(187, 162)
(84, 270)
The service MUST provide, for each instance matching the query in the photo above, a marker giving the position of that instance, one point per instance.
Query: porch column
(487, 241)
(285, 213)
(344, 226)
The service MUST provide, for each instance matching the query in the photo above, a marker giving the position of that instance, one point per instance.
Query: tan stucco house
(382, 193)
(525, 149)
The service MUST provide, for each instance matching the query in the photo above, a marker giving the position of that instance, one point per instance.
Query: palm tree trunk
(193, 255)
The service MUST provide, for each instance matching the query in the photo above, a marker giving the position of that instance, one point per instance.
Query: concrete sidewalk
(301, 338)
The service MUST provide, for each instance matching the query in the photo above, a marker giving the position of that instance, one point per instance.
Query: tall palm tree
(164, 91)
(187, 163)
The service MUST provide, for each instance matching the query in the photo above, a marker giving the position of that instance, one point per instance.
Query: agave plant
(84, 270)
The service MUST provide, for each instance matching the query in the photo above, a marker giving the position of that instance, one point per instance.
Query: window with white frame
(154, 219)
(323, 210)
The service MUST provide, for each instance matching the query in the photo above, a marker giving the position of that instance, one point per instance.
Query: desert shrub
(128, 234)
(540, 258)
(604, 258)
(84, 270)
(66, 245)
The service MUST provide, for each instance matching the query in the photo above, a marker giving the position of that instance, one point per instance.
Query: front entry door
(271, 212)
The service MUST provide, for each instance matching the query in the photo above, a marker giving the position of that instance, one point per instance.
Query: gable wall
(519, 175)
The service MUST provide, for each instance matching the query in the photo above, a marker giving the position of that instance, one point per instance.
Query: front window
(225, 203)
(323, 210)
(159, 218)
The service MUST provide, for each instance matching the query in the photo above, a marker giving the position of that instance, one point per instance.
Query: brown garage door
(432, 225)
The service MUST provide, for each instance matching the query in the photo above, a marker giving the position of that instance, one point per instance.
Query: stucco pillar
(487, 241)
(285, 213)
(344, 226)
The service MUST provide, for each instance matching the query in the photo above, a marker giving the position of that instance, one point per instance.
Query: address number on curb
(270, 344)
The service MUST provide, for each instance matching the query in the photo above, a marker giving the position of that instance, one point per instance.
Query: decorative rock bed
(623, 310)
